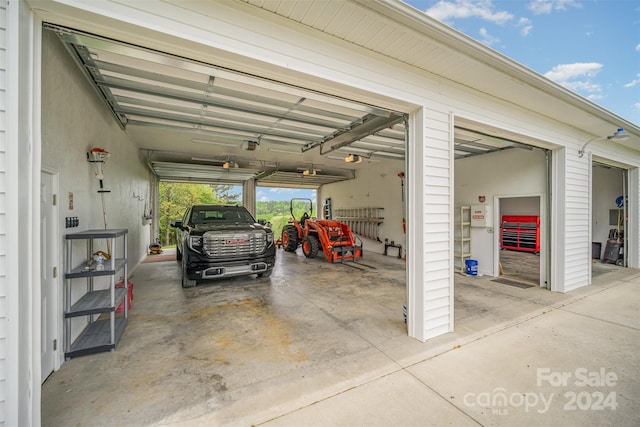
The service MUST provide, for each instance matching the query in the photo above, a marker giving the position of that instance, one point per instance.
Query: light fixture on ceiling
(206, 141)
(230, 165)
(251, 145)
(353, 158)
(309, 170)
(618, 135)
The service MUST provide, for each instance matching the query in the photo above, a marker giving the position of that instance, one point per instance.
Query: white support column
(249, 195)
(558, 220)
(20, 305)
(571, 221)
(633, 224)
(430, 224)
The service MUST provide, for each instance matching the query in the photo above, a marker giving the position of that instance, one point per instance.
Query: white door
(48, 261)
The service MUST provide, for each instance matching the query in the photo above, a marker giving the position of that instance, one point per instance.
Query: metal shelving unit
(103, 328)
(462, 236)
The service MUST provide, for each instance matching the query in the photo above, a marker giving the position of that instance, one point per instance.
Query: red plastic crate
(129, 298)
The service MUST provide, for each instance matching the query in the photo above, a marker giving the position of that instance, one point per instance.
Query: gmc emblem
(234, 241)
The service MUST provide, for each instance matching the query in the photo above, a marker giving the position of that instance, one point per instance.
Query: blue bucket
(472, 267)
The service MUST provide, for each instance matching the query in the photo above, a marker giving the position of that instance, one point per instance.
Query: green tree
(224, 193)
(176, 197)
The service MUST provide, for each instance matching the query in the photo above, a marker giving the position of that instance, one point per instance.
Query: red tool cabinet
(520, 233)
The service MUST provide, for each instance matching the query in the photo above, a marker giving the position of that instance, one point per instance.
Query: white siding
(3, 211)
(577, 209)
(438, 216)
(430, 297)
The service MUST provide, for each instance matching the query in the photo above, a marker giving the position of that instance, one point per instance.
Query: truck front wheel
(186, 282)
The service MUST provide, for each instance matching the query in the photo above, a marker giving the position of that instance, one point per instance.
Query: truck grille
(225, 244)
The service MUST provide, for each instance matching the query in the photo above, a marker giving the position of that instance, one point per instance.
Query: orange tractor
(334, 238)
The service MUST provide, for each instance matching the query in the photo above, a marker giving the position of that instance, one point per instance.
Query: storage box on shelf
(520, 233)
(103, 328)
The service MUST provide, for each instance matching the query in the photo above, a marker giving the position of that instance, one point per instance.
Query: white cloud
(525, 26)
(633, 82)
(638, 48)
(483, 9)
(564, 72)
(636, 106)
(578, 77)
(486, 38)
(264, 199)
(539, 7)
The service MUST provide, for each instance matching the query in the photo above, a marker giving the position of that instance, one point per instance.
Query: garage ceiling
(199, 122)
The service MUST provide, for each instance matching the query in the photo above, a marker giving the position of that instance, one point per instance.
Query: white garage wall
(520, 206)
(376, 185)
(606, 187)
(508, 173)
(73, 121)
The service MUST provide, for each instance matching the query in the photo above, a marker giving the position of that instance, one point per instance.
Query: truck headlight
(269, 238)
(195, 243)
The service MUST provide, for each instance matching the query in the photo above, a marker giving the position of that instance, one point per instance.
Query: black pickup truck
(215, 241)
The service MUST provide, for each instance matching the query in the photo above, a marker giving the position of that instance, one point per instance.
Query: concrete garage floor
(323, 344)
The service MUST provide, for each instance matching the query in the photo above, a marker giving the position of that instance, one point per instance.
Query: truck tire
(290, 238)
(186, 282)
(310, 246)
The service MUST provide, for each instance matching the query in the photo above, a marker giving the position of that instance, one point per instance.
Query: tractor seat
(305, 217)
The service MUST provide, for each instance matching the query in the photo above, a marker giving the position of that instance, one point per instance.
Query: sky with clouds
(591, 47)
(267, 194)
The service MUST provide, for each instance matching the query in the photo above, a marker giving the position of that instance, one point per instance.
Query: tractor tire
(289, 238)
(186, 282)
(310, 246)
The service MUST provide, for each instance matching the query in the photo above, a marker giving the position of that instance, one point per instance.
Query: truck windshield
(221, 215)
